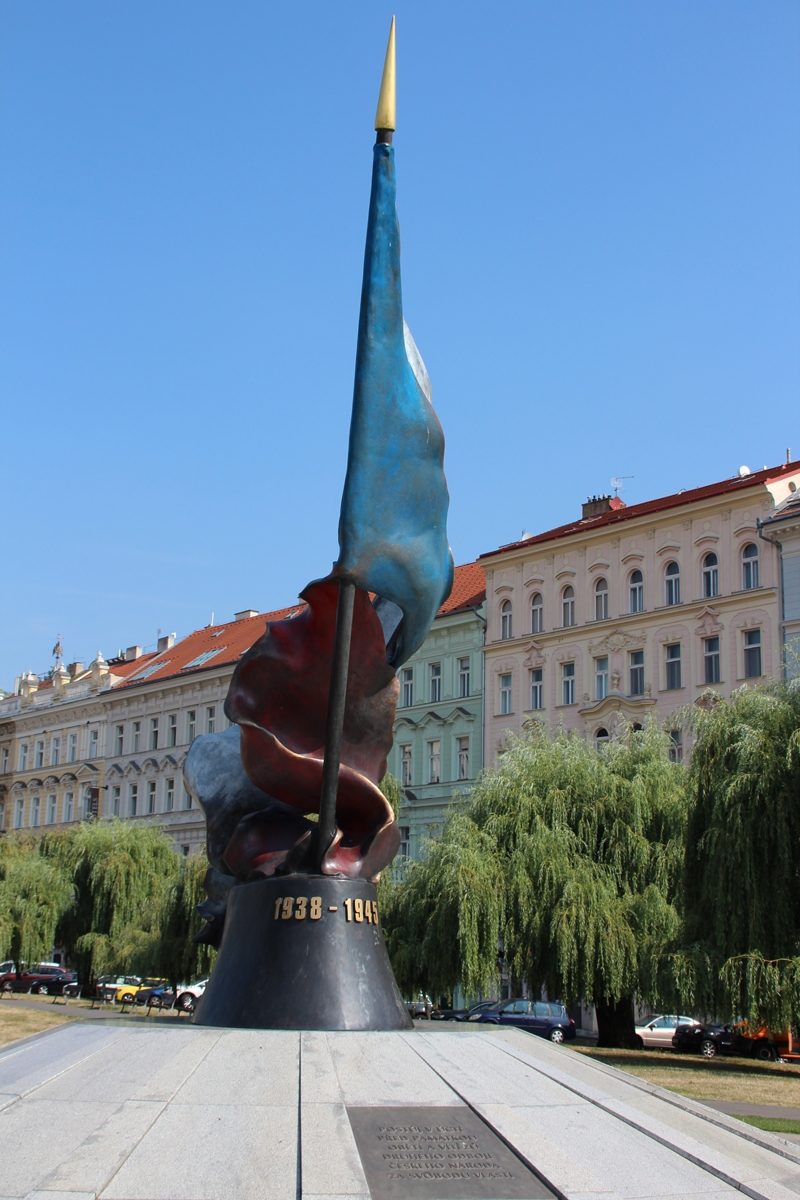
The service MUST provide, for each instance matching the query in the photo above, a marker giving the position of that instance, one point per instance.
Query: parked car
(462, 1014)
(105, 988)
(659, 1032)
(420, 1008)
(42, 979)
(189, 994)
(126, 994)
(710, 1040)
(160, 995)
(547, 1019)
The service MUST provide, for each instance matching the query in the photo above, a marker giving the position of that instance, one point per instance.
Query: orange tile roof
(123, 669)
(206, 648)
(469, 589)
(650, 507)
(227, 643)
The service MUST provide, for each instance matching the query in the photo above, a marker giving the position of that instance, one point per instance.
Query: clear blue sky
(599, 204)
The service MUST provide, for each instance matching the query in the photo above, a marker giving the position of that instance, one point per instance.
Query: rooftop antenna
(617, 483)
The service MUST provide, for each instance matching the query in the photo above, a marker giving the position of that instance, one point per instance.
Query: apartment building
(635, 610)
(438, 735)
(111, 739)
(782, 528)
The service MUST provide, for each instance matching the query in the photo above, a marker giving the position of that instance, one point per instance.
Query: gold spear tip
(386, 116)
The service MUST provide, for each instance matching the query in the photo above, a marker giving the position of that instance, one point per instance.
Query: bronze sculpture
(291, 901)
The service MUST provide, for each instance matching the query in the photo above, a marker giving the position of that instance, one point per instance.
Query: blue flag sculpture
(315, 696)
(393, 525)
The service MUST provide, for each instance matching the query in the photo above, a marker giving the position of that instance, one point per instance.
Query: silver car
(658, 1033)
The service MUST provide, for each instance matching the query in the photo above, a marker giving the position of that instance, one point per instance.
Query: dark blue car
(542, 1017)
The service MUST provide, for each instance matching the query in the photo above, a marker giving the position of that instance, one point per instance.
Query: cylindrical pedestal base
(303, 952)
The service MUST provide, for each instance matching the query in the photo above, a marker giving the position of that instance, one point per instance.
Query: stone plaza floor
(119, 1112)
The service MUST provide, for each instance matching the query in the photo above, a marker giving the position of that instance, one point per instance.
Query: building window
(568, 683)
(169, 802)
(710, 576)
(115, 794)
(463, 757)
(750, 566)
(211, 718)
(408, 686)
(711, 657)
(600, 602)
(51, 809)
(154, 733)
(600, 678)
(637, 672)
(87, 802)
(636, 593)
(601, 737)
(673, 654)
(5, 759)
(133, 799)
(536, 613)
(405, 842)
(434, 761)
(93, 744)
(19, 812)
(38, 760)
(72, 751)
(55, 751)
(405, 765)
(752, 653)
(137, 733)
(672, 584)
(537, 688)
(463, 677)
(436, 682)
(35, 810)
(23, 757)
(505, 694)
(191, 722)
(568, 606)
(187, 799)
(151, 796)
(2, 816)
(676, 746)
(172, 730)
(506, 627)
(119, 739)
(69, 806)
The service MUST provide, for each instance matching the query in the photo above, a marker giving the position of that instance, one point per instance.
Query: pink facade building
(635, 610)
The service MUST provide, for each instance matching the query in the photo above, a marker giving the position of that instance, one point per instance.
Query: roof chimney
(132, 653)
(595, 506)
(245, 613)
(75, 669)
(166, 643)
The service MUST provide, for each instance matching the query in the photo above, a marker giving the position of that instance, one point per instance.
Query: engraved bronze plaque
(438, 1154)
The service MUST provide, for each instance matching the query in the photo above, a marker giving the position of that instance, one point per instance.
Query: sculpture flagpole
(385, 124)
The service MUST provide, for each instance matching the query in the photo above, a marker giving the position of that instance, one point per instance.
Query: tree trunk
(615, 1024)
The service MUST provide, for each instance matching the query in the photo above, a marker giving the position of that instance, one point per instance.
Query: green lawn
(773, 1124)
(742, 1079)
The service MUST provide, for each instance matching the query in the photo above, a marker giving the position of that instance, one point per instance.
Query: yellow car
(127, 993)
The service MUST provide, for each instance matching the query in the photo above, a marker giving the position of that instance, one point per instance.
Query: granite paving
(93, 1112)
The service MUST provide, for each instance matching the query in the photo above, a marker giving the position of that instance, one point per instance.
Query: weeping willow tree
(34, 892)
(121, 875)
(568, 863)
(172, 954)
(743, 858)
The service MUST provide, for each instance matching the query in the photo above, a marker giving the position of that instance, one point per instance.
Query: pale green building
(438, 732)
